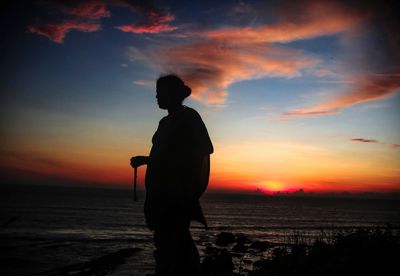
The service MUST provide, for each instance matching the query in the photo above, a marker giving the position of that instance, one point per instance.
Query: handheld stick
(134, 183)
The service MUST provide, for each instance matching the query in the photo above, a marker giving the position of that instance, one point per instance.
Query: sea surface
(43, 228)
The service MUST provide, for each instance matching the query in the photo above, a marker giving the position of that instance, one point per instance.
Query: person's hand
(137, 161)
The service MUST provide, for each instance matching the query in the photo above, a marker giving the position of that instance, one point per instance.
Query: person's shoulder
(192, 117)
(163, 120)
(190, 112)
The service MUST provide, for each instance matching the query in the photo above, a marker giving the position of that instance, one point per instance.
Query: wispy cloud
(373, 141)
(318, 19)
(85, 16)
(80, 16)
(157, 23)
(153, 19)
(57, 32)
(364, 140)
(376, 62)
(210, 67)
(366, 88)
(87, 9)
(146, 83)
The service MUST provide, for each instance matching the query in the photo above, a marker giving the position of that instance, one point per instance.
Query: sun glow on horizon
(274, 185)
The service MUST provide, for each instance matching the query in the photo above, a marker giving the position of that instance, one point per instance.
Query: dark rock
(225, 238)
(261, 263)
(217, 263)
(240, 247)
(211, 250)
(242, 239)
(247, 261)
(260, 246)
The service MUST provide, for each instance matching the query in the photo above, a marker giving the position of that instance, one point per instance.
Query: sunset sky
(294, 96)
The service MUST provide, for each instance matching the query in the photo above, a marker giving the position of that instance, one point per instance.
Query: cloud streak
(366, 88)
(211, 67)
(78, 16)
(157, 23)
(373, 141)
(376, 63)
(57, 32)
(319, 19)
(85, 16)
(88, 10)
(364, 140)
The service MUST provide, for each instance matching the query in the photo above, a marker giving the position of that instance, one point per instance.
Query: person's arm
(138, 161)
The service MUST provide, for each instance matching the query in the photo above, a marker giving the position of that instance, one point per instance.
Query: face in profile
(162, 97)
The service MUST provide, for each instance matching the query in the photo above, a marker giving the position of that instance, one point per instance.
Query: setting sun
(273, 186)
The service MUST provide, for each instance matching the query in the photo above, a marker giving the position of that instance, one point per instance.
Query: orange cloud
(157, 24)
(211, 67)
(318, 24)
(217, 58)
(57, 32)
(367, 88)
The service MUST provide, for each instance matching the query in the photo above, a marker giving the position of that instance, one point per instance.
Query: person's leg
(162, 253)
(193, 258)
(188, 260)
(175, 254)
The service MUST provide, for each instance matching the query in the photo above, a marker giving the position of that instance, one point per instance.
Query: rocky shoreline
(356, 252)
(98, 267)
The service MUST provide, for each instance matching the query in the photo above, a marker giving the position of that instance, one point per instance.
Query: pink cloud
(377, 62)
(57, 32)
(81, 16)
(317, 19)
(366, 88)
(85, 16)
(89, 10)
(157, 24)
(210, 68)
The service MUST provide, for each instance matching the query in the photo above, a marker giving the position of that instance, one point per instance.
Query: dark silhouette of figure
(177, 175)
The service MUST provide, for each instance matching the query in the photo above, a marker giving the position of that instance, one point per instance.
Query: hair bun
(186, 91)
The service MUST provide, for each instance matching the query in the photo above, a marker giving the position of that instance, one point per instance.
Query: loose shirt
(178, 169)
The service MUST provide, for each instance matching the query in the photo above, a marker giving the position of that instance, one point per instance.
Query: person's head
(171, 91)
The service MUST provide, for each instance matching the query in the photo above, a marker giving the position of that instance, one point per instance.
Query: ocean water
(44, 228)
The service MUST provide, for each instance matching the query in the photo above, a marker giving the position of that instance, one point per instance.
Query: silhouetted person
(177, 175)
